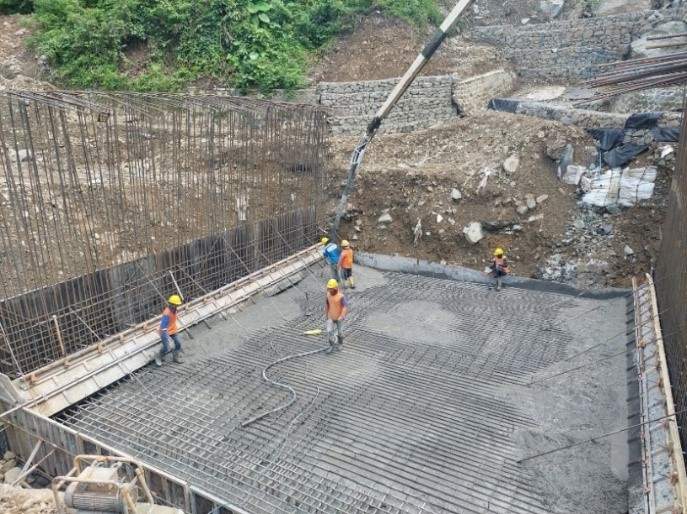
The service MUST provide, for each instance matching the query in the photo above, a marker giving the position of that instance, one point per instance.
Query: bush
(250, 44)
(16, 6)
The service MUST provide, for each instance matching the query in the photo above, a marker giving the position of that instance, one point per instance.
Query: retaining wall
(653, 100)
(426, 102)
(566, 50)
(473, 94)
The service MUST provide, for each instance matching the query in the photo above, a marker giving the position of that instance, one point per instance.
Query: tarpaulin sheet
(503, 105)
(608, 138)
(667, 134)
(622, 154)
(643, 120)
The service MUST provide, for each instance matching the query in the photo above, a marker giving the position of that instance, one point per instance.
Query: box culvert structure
(446, 397)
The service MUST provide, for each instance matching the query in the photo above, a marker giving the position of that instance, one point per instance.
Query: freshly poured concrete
(441, 389)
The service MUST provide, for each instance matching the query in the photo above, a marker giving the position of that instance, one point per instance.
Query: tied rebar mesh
(671, 282)
(108, 198)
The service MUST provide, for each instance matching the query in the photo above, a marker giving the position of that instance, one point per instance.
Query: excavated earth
(411, 176)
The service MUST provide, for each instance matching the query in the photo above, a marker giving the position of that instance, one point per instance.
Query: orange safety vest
(335, 305)
(346, 259)
(501, 261)
(172, 325)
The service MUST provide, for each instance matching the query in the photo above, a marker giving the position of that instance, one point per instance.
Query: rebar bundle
(638, 74)
(104, 194)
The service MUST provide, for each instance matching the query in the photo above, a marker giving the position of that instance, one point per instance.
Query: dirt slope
(412, 176)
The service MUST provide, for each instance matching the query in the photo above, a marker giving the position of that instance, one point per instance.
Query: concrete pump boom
(407, 79)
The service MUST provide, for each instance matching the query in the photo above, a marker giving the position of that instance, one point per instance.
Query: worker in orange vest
(168, 329)
(336, 309)
(346, 264)
(499, 267)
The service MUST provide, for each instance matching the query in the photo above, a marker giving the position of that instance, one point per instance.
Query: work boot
(351, 284)
(340, 342)
(177, 357)
(158, 360)
(498, 284)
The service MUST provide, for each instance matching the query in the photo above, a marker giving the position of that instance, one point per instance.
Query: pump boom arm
(407, 79)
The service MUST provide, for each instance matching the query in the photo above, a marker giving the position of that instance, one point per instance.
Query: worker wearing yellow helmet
(331, 253)
(335, 310)
(168, 329)
(346, 264)
(499, 267)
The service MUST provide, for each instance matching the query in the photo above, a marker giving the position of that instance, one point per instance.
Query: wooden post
(60, 341)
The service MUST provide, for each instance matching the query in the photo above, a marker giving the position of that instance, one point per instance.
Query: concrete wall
(428, 101)
(473, 94)
(566, 50)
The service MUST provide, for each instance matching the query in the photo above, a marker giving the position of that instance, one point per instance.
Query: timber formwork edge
(75, 377)
(663, 466)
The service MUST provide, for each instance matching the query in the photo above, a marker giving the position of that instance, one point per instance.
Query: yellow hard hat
(345, 244)
(498, 252)
(324, 240)
(332, 284)
(175, 299)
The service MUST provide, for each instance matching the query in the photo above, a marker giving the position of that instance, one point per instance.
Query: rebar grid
(104, 194)
(410, 417)
(671, 282)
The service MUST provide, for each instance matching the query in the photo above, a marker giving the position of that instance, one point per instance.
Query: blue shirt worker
(332, 253)
(168, 329)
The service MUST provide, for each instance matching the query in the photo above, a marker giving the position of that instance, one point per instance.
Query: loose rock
(473, 232)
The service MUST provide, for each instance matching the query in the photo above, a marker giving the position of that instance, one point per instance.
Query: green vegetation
(16, 6)
(163, 45)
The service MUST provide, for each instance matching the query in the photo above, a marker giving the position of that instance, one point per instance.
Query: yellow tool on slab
(315, 332)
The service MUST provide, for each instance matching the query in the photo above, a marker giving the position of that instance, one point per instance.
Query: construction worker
(499, 267)
(335, 310)
(346, 264)
(332, 253)
(168, 329)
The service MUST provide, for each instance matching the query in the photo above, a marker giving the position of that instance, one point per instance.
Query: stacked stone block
(566, 50)
(427, 102)
(652, 100)
(472, 95)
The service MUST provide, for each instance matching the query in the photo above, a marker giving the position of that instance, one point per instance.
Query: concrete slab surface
(440, 390)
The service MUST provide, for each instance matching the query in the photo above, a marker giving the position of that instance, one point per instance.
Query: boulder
(473, 232)
(551, 8)
(456, 194)
(566, 159)
(12, 475)
(573, 174)
(639, 46)
(511, 164)
(385, 218)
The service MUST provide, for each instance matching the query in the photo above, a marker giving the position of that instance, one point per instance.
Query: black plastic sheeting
(610, 141)
(622, 154)
(643, 120)
(503, 105)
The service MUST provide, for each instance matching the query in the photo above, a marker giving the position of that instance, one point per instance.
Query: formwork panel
(440, 391)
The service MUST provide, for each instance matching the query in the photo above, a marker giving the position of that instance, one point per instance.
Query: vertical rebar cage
(671, 282)
(107, 199)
